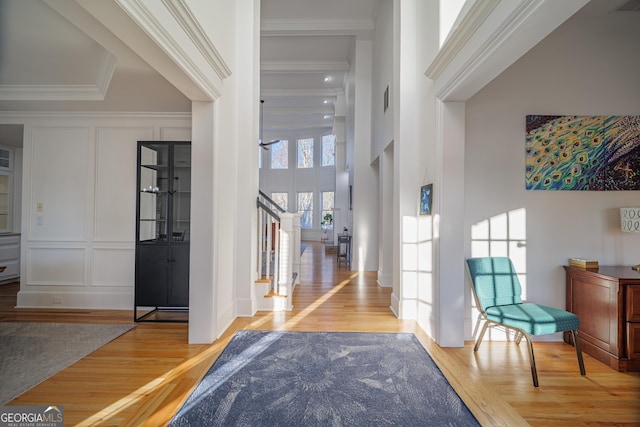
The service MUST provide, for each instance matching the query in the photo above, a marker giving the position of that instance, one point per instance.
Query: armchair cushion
(534, 319)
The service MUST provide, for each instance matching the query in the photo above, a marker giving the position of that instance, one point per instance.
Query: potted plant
(326, 223)
(327, 219)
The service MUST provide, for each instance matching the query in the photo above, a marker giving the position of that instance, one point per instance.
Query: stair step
(272, 294)
(264, 279)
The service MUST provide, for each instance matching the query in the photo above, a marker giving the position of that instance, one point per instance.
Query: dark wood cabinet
(607, 301)
(162, 231)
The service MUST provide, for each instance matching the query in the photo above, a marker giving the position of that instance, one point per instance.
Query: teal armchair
(497, 291)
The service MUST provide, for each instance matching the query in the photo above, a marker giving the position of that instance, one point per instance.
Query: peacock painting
(583, 153)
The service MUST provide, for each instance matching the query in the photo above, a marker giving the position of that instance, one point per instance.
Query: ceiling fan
(264, 145)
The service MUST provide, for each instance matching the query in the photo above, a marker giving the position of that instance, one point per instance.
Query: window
(305, 153)
(328, 150)
(327, 207)
(281, 199)
(305, 209)
(280, 155)
(5, 159)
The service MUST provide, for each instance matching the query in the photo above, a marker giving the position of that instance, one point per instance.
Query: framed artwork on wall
(426, 196)
(592, 153)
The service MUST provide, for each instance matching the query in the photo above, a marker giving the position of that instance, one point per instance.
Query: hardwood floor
(142, 377)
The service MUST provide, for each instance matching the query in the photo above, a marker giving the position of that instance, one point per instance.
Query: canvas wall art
(599, 153)
(426, 198)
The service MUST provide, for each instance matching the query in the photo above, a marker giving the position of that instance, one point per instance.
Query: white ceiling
(48, 63)
(56, 57)
(304, 41)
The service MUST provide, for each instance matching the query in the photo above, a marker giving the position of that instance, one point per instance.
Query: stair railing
(269, 243)
(279, 248)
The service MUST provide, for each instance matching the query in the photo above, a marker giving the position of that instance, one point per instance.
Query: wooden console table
(607, 301)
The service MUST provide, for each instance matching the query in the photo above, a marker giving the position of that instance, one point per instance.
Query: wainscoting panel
(115, 188)
(58, 181)
(55, 266)
(113, 267)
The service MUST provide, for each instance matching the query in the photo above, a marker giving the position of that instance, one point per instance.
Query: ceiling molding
(460, 35)
(317, 27)
(292, 93)
(512, 29)
(183, 14)
(85, 92)
(302, 127)
(298, 111)
(303, 66)
(30, 116)
(518, 16)
(168, 40)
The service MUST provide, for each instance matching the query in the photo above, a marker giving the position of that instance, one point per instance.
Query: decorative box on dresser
(607, 301)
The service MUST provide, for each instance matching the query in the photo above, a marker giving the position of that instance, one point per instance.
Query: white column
(247, 178)
(286, 253)
(202, 307)
(365, 179)
(406, 157)
(297, 241)
(341, 196)
(385, 268)
(450, 245)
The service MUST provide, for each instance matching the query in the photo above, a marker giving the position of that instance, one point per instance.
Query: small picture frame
(426, 197)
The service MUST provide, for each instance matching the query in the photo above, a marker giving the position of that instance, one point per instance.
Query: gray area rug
(32, 352)
(324, 379)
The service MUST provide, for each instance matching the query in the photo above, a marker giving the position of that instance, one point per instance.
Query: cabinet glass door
(181, 192)
(153, 192)
(4, 202)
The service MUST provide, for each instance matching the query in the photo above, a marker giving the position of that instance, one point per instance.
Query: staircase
(278, 255)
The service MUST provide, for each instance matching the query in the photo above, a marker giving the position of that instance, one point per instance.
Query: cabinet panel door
(595, 302)
(179, 282)
(151, 275)
(633, 340)
(633, 303)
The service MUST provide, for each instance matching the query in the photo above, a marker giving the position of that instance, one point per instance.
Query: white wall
(82, 169)
(382, 76)
(582, 68)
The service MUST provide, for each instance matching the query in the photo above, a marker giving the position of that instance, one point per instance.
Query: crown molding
(512, 28)
(460, 35)
(87, 92)
(292, 93)
(162, 31)
(316, 27)
(183, 14)
(299, 111)
(303, 66)
(300, 128)
(25, 117)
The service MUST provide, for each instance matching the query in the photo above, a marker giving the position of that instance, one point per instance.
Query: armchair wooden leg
(576, 344)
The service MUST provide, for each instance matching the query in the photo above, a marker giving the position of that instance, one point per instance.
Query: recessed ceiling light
(327, 117)
(326, 101)
(327, 79)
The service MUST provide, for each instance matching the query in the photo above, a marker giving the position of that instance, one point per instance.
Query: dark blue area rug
(266, 378)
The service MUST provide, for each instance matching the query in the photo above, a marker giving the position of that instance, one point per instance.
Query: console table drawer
(633, 303)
